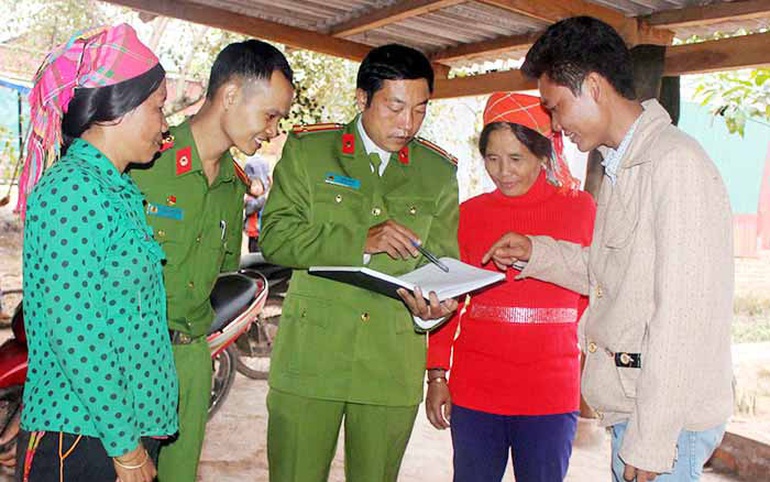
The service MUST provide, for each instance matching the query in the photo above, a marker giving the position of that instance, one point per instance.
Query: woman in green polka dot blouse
(101, 387)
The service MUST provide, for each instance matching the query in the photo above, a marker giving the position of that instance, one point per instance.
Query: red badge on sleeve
(183, 160)
(403, 155)
(348, 143)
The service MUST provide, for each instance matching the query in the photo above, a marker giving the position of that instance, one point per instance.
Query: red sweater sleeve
(440, 342)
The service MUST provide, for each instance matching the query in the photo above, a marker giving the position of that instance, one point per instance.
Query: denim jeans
(693, 450)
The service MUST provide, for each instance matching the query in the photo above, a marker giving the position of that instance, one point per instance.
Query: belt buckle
(628, 360)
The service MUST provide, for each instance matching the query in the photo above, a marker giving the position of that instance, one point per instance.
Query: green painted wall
(741, 160)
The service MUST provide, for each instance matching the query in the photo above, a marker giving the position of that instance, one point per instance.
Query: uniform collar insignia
(348, 143)
(403, 155)
(183, 160)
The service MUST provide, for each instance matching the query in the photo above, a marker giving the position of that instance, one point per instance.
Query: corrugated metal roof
(459, 24)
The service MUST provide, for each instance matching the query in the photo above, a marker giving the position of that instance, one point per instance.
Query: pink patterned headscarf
(94, 58)
(526, 110)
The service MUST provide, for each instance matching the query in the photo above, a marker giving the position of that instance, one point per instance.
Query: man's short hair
(250, 60)
(571, 49)
(392, 62)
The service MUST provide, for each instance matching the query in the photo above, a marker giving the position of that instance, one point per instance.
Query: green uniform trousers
(178, 461)
(302, 438)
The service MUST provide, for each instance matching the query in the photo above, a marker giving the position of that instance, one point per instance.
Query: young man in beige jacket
(659, 273)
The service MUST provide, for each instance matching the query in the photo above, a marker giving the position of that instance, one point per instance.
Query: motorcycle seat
(232, 294)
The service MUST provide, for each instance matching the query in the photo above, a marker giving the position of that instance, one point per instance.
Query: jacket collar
(183, 138)
(654, 119)
(355, 159)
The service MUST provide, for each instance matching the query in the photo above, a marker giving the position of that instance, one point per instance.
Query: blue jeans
(539, 445)
(693, 450)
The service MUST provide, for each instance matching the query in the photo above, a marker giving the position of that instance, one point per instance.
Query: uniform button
(161, 233)
(592, 347)
(599, 414)
(364, 316)
(376, 211)
(191, 285)
(198, 239)
(338, 198)
(413, 210)
(303, 314)
(599, 292)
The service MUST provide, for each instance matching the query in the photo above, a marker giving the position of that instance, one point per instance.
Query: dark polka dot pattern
(95, 308)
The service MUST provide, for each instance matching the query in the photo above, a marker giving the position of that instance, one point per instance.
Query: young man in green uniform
(351, 195)
(194, 194)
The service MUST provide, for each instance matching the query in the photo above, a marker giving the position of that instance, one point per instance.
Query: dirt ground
(235, 447)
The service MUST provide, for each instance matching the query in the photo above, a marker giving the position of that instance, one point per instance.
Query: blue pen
(430, 257)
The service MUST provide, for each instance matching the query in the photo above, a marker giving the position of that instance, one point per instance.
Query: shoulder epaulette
(241, 174)
(441, 152)
(306, 129)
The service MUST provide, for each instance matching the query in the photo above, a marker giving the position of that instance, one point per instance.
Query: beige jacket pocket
(628, 380)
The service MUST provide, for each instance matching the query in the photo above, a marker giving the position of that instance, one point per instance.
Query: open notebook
(462, 278)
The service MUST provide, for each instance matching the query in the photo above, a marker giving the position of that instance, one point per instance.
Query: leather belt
(628, 360)
(181, 338)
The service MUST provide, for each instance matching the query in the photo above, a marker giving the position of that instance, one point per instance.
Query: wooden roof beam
(482, 84)
(494, 46)
(710, 14)
(255, 27)
(742, 52)
(632, 30)
(378, 17)
(500, 45)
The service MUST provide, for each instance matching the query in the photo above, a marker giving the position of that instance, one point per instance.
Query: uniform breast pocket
(336, 203)
(165, 229)
(413, 212)
(213, 244)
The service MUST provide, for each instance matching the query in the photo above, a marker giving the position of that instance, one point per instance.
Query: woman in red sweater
(511, 352)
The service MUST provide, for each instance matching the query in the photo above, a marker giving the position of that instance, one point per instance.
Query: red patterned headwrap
(94, 58)
(526, 110)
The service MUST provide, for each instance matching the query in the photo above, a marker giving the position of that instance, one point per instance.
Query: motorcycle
(255, 345)
(237, 299)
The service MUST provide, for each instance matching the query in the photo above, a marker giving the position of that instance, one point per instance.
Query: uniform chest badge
(340, 180)
(161, 211)
(183, 160)
(171, 200)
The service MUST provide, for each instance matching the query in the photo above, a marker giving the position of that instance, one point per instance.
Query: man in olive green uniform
(352, 195)
(194, 195)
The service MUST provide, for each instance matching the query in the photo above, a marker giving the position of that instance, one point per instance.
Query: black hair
(392, 62)
(251, 59)
(571, 49)
(538, 144)
(90, 106)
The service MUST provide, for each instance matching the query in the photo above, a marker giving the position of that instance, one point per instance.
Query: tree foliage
(737, 96)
